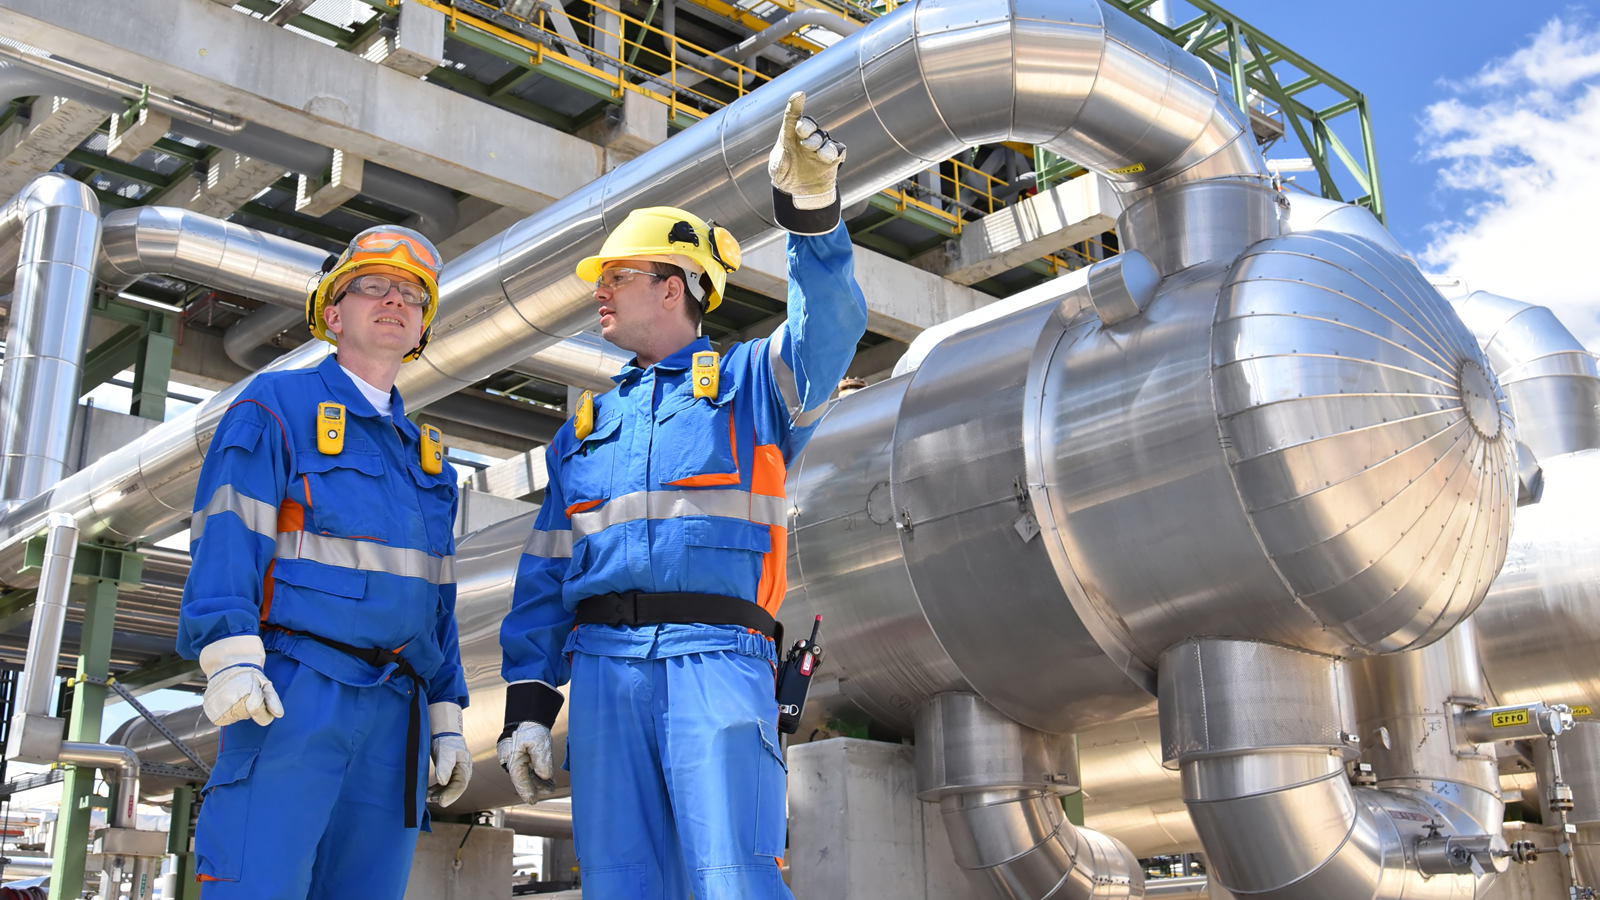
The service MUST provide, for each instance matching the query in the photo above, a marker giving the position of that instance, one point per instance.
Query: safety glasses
(378, 286)
(618, 277)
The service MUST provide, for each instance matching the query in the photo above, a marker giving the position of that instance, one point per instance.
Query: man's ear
(674, 297)
(330, 318)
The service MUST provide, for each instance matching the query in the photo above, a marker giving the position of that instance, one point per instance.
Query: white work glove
(237, 687)
(452, 761)
(804, 166)
(525, 755)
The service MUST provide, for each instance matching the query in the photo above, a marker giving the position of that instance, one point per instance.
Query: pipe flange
(1478, 399)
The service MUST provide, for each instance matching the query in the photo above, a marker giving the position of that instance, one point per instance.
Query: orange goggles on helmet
(394, 243)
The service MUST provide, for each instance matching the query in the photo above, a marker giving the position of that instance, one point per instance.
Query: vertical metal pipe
(111, 756)
(59, 220)
(49, 616)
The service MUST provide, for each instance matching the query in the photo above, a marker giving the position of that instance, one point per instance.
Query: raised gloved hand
(524, 751)
(804, 166)
(452, 761)
(236, 685)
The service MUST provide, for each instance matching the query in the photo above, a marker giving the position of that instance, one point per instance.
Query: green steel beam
(152, 370)
(165, 672)
(489, 93)
(88, 701)
(1317, 159)
(111, 356)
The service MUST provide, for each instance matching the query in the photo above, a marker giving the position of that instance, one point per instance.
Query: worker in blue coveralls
(321, 602)
(662, 539)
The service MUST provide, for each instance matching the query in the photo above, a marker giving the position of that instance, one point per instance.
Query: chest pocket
(344, 492)
(586, 466)
(694, 444)
(436, 496)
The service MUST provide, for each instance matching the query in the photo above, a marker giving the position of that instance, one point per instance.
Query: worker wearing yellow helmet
(656, 566)
(321, 605)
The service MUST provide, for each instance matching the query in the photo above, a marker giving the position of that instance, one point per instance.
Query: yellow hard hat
(670, 235)
(382, 250)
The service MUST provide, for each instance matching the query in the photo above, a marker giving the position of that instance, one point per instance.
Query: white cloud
(1520, 142)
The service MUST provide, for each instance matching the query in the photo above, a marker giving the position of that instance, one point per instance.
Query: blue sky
(1487, 119)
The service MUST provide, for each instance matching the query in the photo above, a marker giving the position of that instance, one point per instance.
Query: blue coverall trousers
(310, 807)
(678, 781)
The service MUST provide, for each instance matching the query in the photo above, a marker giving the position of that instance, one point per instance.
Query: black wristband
(532, 701)
(804, 221)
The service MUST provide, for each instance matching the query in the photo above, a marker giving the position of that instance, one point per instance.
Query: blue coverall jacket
(357, 547)
(670, 493)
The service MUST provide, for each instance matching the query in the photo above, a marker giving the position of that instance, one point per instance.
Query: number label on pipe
(1582, 711)
(1509, 718)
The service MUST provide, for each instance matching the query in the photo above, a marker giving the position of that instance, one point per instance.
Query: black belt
(377, 658)
(640, 608)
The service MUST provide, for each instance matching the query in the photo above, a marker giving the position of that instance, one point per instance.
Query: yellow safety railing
(616, 54)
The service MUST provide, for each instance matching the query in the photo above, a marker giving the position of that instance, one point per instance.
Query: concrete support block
(628, 130)
(483, 874)
(318, 198)
(417, 47)
(857, 830)
(128, 140)
(54, 128)
(1066, 214)
(327, 95)
(228, 181)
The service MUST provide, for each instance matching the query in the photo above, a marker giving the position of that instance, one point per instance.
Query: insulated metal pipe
(164, 240)
(55, 223)
(1262, 733)
(1079, 77)
(247, 341)
(111, 756)
(1550, 377)
(998, 785)
(38, 681)
(102, 83)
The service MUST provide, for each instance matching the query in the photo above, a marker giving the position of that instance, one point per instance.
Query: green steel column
(152, 370)
(1241, 92)
(1370, 147)
(178, 843)
(88, 700)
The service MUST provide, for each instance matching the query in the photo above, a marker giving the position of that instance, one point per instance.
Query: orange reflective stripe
(768, 473)
(291, 515)
(266, 590)
(774, 572)
(583, 506)
(714, 480)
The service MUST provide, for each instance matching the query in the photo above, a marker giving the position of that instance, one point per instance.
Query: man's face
(637, 307)
(382, 326)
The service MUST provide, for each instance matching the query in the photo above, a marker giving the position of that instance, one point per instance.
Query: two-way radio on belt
(794, 680)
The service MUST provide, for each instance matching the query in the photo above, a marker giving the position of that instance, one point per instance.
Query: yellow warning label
(1510, 718)
(1134, 169)
(1582, 711)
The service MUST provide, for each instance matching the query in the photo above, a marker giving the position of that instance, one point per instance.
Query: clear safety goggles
(378, 286)
(618, 277)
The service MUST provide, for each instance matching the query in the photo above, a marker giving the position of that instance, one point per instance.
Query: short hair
(692, 306)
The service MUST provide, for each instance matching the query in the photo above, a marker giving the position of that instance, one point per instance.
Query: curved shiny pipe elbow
(998, 784)
(1547, 373)
(111, 756)
(179, 243)
(246, 341)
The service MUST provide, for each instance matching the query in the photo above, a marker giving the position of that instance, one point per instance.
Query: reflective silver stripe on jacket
(787, 385)
(549, 544)
(260, 517)
(732, 504)
(368, 556)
